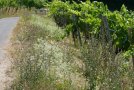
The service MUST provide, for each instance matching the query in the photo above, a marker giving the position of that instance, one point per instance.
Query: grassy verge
(42, 60)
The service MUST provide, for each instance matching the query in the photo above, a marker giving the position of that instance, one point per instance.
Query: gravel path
(6, 27)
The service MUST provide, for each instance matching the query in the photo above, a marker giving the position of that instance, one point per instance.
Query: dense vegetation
(43, 59)
(24, 3)
(77, 46)
(93, 24)
(87, 19)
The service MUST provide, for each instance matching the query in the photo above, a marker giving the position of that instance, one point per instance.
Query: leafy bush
(6, 3)
(26, 3)
(84, 19)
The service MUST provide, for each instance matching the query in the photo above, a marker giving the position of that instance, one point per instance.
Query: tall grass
(106, 70)
(40, 62)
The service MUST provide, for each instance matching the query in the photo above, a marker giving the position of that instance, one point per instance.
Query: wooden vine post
(105, 30)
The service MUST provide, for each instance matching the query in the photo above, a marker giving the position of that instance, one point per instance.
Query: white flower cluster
(54, 59)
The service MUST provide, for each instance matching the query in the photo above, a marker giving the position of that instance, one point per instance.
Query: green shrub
(84, 19)
(24, 3)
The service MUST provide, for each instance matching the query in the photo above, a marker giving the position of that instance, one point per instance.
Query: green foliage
(25, 3)
(104, 69)
(5, 3)
(85, 18)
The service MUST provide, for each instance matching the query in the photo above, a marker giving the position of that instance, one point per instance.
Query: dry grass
(42, 62)
(106, 70)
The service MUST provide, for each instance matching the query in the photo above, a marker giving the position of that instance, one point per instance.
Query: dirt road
(6, 27)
